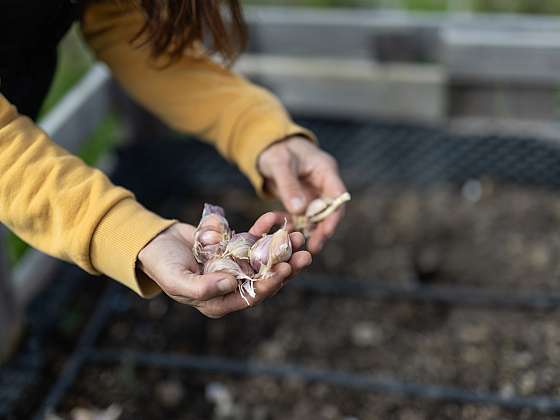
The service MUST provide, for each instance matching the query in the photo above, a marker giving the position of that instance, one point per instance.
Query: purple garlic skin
(240, 244)
(270, 250)
(212, 209)
(246, 267)
(258, 254)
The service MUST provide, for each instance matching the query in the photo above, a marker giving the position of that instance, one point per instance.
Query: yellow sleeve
(193, 95)
(58, 204)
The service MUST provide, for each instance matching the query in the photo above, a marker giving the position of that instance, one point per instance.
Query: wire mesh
(368, 153)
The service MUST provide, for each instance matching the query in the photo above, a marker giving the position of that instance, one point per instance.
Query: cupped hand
(297, 171)
(168, 260)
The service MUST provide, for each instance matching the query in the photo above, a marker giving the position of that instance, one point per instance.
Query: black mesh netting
(367, 153)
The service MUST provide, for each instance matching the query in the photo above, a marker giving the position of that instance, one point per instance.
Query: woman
(56, 203)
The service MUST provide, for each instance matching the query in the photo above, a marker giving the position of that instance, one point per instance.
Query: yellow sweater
(58, 204)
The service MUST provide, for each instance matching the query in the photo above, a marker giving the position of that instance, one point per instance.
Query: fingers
(186, 231)
(266, 222)
(288, 186)
(196, 287)
(332, 186)
(297, 240)
(299, 261)
(324, 231)
(223, 305)
(270, 286)
(284, 215)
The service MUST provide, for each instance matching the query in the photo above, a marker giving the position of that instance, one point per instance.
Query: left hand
(297, 171)
(168, 261)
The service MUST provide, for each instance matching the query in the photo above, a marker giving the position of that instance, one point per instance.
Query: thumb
(289, 188)
(203, 287)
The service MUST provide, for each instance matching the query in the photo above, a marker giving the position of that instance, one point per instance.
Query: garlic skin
(246, 267)
(209, 252)
(239, 245)
(270, 250)
(225, 265)
(211, 209)
(212, 231)
(229, 266)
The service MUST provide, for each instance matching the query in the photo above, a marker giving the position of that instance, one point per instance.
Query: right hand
(168, 260)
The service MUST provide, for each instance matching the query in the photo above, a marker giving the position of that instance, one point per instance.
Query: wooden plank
(475, 47)
(340, 32)
(502, 100)
(355, 33)
(351, 88)
(81, 110)
(512, 55)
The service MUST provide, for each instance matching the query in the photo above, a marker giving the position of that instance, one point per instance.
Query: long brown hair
(172, 26)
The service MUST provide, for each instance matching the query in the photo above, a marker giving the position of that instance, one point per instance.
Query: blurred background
(436, 299)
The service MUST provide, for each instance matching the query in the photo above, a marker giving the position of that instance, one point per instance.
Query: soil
(484, 235)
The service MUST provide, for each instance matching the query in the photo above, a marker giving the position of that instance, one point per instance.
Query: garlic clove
(210, 209)
(316, 206)
(258, 254)
(318, 210)
(209, 237)
(213, 218)
(240, 244)
(333, 206)
(270, 250)
(213, 229)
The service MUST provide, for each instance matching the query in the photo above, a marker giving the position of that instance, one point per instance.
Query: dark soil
(506, 240)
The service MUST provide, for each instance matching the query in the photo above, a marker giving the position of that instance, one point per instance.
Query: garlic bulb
(270, 250)
(212, 231)
(240, 244)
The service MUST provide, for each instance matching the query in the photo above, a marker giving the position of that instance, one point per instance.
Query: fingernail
(226, 285)
(297, 203)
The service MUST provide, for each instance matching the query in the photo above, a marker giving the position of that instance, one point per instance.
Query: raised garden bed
(437, 299)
